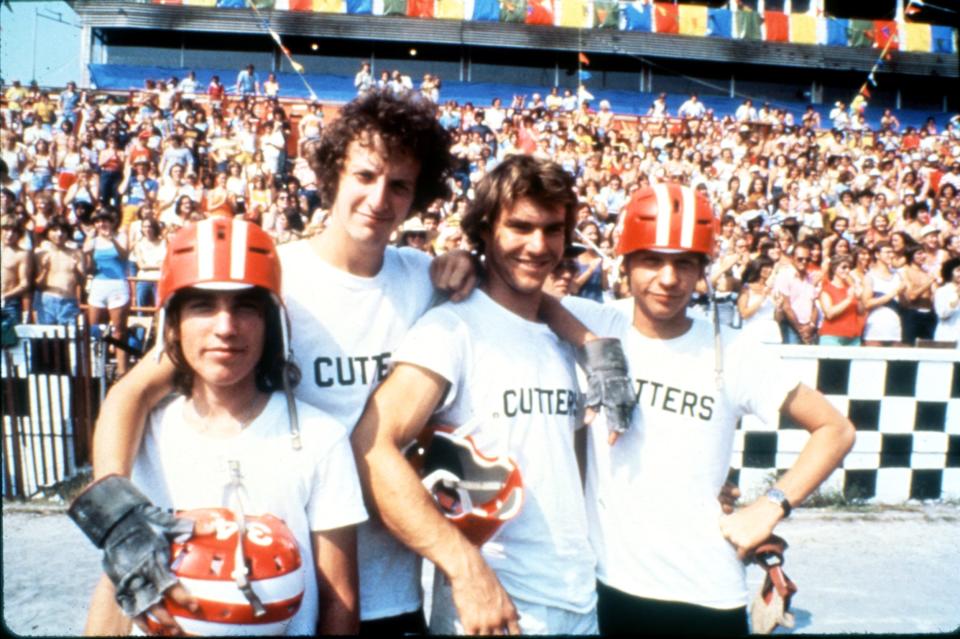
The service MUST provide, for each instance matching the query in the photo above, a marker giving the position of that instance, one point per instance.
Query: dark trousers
(917, 325)
(621, 614)
(409, 623)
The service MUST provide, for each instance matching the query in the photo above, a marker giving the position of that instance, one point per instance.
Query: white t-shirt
(948, 313)
(883, 322)
(344, 329)
(313, 489)
(652, 497)
(513, 389)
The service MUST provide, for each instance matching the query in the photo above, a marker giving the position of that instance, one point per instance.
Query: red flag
(583, 58)
(865, 91)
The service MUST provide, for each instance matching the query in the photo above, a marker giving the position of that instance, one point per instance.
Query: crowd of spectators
(830, 232)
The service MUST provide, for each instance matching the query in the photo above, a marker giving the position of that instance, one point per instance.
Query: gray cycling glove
(135, 536)
(608, 381)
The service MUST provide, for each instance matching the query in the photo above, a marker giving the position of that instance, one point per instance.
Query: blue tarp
(334, 88)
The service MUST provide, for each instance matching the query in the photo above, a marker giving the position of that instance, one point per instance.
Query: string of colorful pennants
(641, 15)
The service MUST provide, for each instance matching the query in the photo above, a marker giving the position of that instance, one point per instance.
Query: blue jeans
(54, 309)
(12, 312)
(146, 293)
(790, 336)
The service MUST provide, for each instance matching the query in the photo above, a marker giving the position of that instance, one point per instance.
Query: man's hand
(162, 617)
(729, 494)
(483, 606)
(608, 383)
(454, 273)
(135, 536)
(750, 526)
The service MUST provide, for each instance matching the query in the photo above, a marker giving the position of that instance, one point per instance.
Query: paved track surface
(895, 571)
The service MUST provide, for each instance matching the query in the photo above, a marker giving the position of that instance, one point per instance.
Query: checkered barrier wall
(905, 404)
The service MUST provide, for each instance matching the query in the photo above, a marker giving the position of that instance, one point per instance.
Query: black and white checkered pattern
(905, 404)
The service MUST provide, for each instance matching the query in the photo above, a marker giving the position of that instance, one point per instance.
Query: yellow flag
(574, 13)
(917, 36)
(692, 19)
(803, 28)
(329, 6)
(450, 9)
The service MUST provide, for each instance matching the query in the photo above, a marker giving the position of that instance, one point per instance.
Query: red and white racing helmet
(220, 254)
(206, 565)
(668, 217)
(476, 492)
(226, 254)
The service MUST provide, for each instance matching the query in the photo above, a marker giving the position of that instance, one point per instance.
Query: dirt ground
(865, 571)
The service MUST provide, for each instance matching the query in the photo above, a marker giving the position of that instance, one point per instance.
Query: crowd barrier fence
(905, 404)
(52, 387)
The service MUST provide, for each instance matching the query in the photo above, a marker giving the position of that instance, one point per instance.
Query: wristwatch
(776, 496)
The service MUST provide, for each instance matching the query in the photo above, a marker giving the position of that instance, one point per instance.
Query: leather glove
(135, 536)
(608, 381)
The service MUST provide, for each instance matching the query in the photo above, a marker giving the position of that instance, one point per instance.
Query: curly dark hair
(406, 124)
(272, 365)
(517, 177)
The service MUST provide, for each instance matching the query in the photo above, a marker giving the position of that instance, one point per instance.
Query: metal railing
(51, 388)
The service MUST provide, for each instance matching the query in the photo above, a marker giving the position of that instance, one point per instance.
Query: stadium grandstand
(789, 54)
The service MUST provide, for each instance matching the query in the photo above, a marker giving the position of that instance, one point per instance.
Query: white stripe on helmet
(238, 250)
(205, 251)
(663, 214)
(689, 221)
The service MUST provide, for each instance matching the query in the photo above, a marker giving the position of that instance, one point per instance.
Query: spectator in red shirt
(841, 305)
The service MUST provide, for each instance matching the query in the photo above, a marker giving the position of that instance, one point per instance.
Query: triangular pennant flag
(296, 65)
(871, 79)
(583, 58)
(865, 91)
(585, 75)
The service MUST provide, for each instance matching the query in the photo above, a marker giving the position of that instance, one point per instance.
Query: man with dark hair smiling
(490, 368)
(669, 561)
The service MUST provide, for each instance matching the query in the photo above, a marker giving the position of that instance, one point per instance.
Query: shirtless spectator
(17, 263)
(60, 273)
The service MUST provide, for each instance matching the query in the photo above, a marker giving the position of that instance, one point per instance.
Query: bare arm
(395, 413)
(870, 302)
(335, 554)
(831, 438)
(749, 303)
(105, 619)
(123, 414)
(584, 277)
(563, 323)
(831, 310)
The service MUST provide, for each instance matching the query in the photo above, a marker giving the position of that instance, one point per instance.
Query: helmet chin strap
(287, 389)
(236, 490)
(717, 344)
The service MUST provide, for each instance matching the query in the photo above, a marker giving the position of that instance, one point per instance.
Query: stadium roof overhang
(122, 14)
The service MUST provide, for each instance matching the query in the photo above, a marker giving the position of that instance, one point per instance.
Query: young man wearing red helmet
(351, 297)
(668, 560)
(489, 367)
(232, 440)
